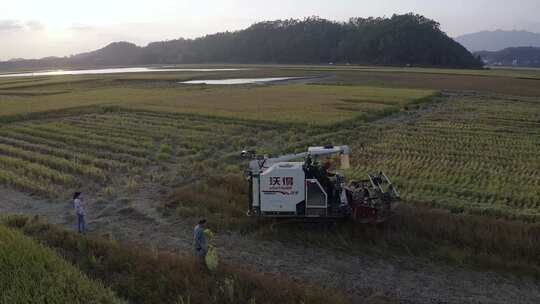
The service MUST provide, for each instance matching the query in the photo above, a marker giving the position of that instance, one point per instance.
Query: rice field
(120, 149)
(34, 273)
(287, 104)
(477, 155)
(471, 157)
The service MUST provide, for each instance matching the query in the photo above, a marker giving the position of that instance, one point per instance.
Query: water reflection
(112, 71)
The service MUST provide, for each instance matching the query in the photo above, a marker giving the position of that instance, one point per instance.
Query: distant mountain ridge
(401, 40)
(498, 40)
(518, 56)
(116, 53)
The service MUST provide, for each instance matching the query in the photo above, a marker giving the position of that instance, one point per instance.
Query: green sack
(211, 258)
(209, 234)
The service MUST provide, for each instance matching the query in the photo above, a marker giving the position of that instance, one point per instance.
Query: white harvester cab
(299, 185)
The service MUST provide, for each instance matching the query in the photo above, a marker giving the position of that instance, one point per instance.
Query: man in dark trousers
(79, 210)
(199, 240)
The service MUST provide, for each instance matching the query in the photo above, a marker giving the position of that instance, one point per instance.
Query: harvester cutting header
(306, 185)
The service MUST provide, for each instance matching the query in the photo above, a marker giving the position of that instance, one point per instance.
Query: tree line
(400, 40)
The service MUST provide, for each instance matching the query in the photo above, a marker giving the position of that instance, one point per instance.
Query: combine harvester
(280, 187)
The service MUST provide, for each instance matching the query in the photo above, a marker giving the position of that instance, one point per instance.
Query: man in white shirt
(79, 210)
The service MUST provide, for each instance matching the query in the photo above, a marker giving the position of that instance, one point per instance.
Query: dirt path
(409, 279)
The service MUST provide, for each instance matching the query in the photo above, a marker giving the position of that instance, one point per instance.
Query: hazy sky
(38, 28)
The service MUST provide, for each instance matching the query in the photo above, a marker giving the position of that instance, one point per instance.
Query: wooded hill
(401, 40)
